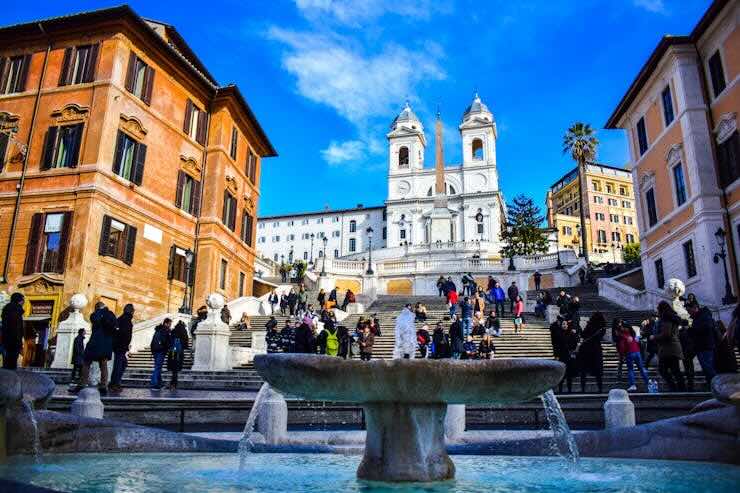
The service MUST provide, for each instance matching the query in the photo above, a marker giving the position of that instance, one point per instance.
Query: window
(304, 222)
(352, 244)
(117, 240)
(477, 148)
(616, 236)
(277, 224)
(598, 199)
(187, 196)
(659, 275)
(178, 266)
(601, 236)
(4, 139)
(728, 155)
(609, 188)
(596, 185)
(688, 256)
(139, 78)
(228, 214)
(47, 242)
(642, 140)
(78, 65)
(336, 253)
(679, 184)
(305, 255)
(385, 232)
(623, 191)
(291, 237)
(320, 220)
(321, 253)
(321, 235)
(403, 157)
(613, 202)
(627, 220)
(650, 205)
(567, 230)
(224, 271)
(276, 239)
(13, 73)
(402, 234)
(305, 236)
(352, 226)
(128, 161)
(600, 216)
(262, 239)
(247, 223)
(626, 204)
(717, 73)
(241, 284)
(335, 219)
(335, 234)
(274, 257)
(234, 142)
(261, 225)
(614, 218)
(62, 147)
(252, 167)
(195, 123)
(667, 105)
(630, 238)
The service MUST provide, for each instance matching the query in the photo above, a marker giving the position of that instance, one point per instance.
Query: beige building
(680, 114)
(611, 219)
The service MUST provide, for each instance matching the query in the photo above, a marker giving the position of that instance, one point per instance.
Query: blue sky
(326, 77)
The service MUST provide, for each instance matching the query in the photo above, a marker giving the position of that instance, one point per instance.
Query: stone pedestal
(88, 404)
(619, 411)
(455, 421)
(259, 343)
(272, 420)
(67, 331)
(355, 308)
(212, 352)
(441, 225)
(405, 442)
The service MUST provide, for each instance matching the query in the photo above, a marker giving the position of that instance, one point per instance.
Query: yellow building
(611, 221)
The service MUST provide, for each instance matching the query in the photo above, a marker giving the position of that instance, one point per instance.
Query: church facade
(472, 197)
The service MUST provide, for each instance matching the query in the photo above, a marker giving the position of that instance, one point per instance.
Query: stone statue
(405, 335)
(676, 289)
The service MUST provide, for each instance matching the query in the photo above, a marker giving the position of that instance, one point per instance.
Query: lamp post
(729, 298)
(557, 247)
(511, 253)
(479, 224)
(369, 232)
(324, 240)
(310, 258)
(185, 308)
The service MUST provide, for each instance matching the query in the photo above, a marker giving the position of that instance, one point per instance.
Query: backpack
(332, 343)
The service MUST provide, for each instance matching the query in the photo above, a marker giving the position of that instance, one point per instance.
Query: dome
(477, 107)
(407, 118)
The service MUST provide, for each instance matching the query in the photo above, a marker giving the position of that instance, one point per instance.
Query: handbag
(518, 320)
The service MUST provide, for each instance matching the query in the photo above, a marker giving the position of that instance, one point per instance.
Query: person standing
(159, 346)
(274, 300)
(452, 302)
(349, 297)
(567, 353)
(283, 303)
(321, 298)
(563, 303)
(273, 338)
(367, 341)
(99, 348)
(304, 338)
(176, 353)
(466, 310)
(441, 286)
(345, 342)
(121, 346)
(537, 280)
(302, 299)
(519, 321)
(574, 313)
(590, 356)
(332, 302)
(12, 330)
(513, 292)
(440, 343)
(669, 347)
(629, 346)
(499, 297)
(702, 334)
(457, 338)
(328, 340)
(78, 355)
(288, 337)
(292, 301)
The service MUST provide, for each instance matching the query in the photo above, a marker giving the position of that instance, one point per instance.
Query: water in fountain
(563, 438)
(245, 444)
(28, 410)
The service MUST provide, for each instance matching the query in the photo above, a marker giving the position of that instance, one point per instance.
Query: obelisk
(441, 219)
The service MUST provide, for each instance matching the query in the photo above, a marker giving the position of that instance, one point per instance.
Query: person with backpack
(159, 346)
(121, 346)
(78, 355)
(176, 353)
(423, 339)
(328, 340)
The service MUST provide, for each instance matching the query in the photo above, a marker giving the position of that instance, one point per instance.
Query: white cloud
(655, 6)
(341, 152)
(356, 12)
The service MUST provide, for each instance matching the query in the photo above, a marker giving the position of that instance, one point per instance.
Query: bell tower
(478, 132)
(406, 143)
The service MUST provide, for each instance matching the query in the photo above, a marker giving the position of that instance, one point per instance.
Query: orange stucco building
(680, 115)
(120, 154)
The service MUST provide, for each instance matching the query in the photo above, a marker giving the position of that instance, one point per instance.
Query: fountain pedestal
(405, 401)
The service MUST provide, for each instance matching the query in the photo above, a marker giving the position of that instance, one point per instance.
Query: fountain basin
(405, 401)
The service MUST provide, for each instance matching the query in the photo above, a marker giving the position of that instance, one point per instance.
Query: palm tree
(580, 141)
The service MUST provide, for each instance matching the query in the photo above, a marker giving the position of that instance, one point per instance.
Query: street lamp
(189, 256)
(729, 298)
(511, 254)
(369, 232)
(479, 225)
(324, 240)
(310, 258)
(557, 248)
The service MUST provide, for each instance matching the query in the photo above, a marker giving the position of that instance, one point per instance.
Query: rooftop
(325, 212)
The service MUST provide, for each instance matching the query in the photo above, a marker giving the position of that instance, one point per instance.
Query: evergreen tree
(522, 232)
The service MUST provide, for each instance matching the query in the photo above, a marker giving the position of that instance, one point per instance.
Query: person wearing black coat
(305, 342)
(12, 330)
(440, 342)
(121, 346)
(702, 334)
(273, 338)
(457, 338)
(288, 336)
(513, 292)
(292, 301)
(176, 354)
(345, 342)
(590, 355)
(159, 346)
(78, 352)
(565, 342)
(99, 348)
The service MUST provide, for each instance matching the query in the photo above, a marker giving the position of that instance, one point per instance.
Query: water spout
(563, 438)
(245, 444)
(36, 444)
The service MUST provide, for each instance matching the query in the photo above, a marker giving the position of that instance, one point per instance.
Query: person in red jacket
(630, 348)
(452, 301)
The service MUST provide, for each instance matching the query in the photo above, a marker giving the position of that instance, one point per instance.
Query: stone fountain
(405, 401)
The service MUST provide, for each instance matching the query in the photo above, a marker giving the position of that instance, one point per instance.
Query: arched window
(477, 148)
(403, 157)
(352, 226)
(449, 190)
